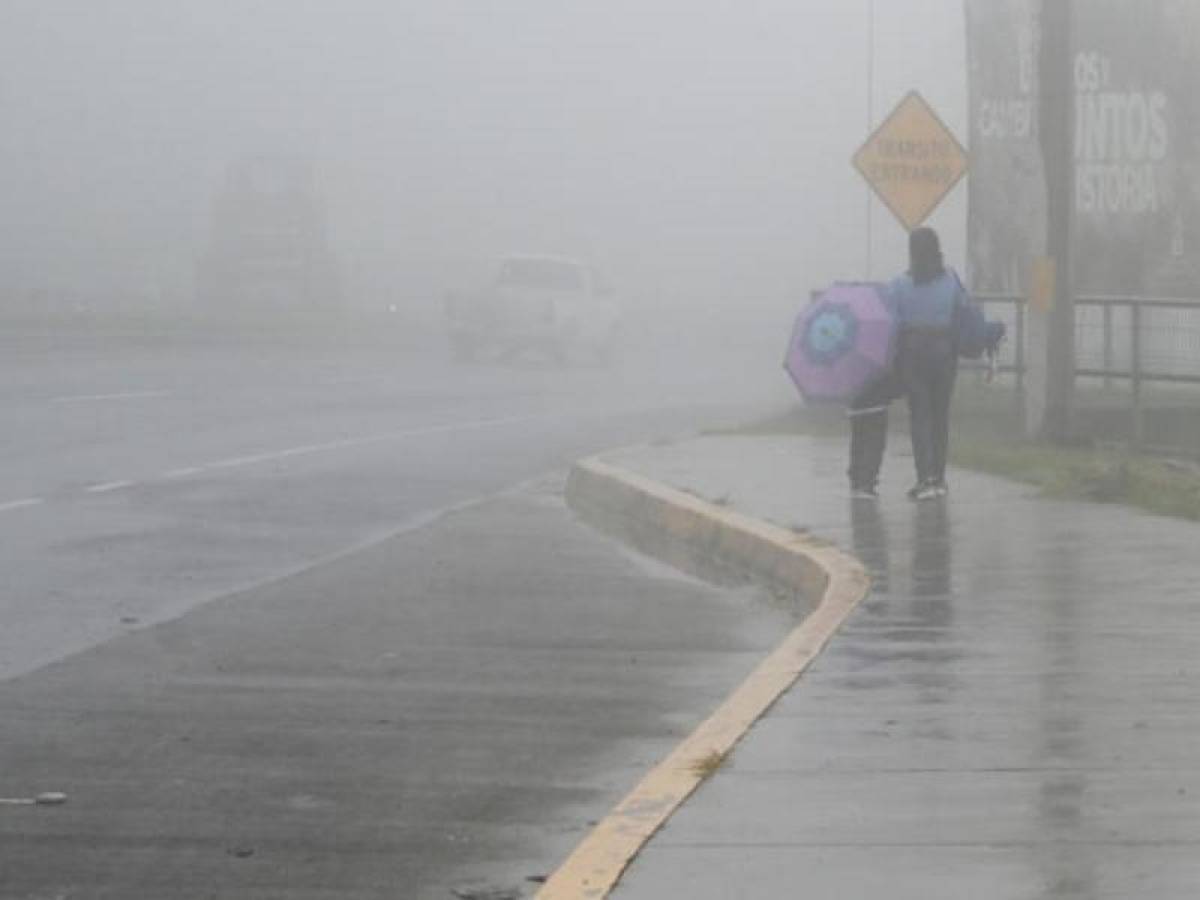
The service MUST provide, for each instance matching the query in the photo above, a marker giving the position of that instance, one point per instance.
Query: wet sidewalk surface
(1014, 712)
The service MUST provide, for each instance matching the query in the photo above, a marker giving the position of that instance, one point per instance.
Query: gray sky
(699, 150)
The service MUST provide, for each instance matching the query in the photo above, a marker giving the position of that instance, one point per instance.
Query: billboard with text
(1137, 146)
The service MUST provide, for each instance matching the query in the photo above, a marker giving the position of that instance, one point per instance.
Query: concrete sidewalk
(1014, 712)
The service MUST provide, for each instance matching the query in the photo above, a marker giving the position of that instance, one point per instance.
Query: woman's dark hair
(924, 255)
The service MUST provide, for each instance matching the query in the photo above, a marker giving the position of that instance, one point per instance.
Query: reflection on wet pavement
(870, 542)
(1011, 713)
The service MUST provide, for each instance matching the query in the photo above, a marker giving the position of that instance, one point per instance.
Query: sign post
(912, 161)
(1057, 137)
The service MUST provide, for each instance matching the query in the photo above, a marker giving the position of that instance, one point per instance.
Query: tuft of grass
(1156, 485)
(706, 766)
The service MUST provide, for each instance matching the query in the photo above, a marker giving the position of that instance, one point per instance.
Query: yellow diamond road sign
(912, 161)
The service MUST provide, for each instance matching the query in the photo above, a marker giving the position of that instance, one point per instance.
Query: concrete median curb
(701, 537)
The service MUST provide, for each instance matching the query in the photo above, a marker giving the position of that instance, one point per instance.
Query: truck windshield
(541, 273)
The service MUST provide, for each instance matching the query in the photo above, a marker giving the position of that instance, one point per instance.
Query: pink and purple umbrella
(842, 342)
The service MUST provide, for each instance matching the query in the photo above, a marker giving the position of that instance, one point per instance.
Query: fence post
(1019, 354)
(1108, 345)
(1135, 370)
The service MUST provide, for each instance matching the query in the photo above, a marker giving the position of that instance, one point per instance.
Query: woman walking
(927, 299)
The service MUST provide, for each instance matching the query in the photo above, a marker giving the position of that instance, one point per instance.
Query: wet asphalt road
(138, 480)
(287, 623)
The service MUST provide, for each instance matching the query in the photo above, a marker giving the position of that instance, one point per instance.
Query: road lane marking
(236, 462)
(239, 461)
(108, 487)
(77, 641)
(185, 472)
(125, 395)
(597, 863)
(21, 504)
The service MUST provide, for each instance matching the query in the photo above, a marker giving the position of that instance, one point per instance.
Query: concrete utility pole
(1056, 72)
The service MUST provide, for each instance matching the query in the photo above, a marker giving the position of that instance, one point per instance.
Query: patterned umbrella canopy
(842, 342)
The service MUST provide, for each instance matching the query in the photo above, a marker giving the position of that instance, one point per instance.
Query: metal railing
(1127, 339)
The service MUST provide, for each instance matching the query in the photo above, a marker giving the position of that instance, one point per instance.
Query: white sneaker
(926, 492)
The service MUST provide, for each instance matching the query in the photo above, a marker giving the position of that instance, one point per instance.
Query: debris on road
(487, 893)
(46, 798)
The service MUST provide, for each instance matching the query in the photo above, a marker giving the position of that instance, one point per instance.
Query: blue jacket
(928, 305)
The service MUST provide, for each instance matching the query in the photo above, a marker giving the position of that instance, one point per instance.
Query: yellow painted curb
(771, 553)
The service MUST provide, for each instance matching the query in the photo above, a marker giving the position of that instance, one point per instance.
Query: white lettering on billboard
(1120, 137)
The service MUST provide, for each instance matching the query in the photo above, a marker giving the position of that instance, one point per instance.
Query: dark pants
(928, 364)
(868, 432)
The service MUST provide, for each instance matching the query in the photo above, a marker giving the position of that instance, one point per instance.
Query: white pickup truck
(544, 304)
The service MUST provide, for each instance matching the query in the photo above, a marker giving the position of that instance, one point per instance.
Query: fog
(698, 152)
(299, 599)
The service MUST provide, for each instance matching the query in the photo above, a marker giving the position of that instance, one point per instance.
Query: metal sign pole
(870, 127)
